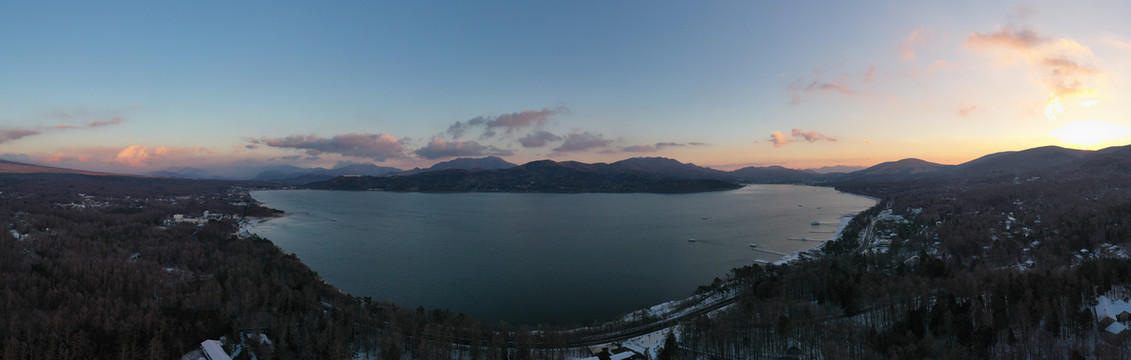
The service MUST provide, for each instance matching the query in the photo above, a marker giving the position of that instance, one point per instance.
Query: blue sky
(144, 86)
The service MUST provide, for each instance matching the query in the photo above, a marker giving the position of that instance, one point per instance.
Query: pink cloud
(1023, 39)
(916, 39)
(658, 146)
(779, 139)
(969, 110)
(1063, 62)
(142, 156)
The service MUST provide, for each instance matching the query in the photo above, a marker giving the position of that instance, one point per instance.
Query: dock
(769, 251)
(803, 239)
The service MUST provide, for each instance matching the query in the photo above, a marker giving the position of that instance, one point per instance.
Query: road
(622, 335)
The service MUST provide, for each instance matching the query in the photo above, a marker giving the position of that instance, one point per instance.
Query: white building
(214, 350)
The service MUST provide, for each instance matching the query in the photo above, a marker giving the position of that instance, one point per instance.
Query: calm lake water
(543, 258)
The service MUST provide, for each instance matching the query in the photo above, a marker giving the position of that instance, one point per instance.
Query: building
(214, 350)
(1112, 315)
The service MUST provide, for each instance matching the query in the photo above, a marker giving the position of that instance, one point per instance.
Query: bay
(543, 258)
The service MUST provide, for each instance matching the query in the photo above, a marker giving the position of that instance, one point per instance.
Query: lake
(543, 258)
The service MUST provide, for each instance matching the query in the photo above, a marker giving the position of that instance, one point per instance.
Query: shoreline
(796, 255)
(250, 222)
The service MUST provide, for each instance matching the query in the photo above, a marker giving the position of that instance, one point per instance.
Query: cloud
(917, 38)
(969, 110)
(819, 80)
(581, 141)
(87, 118)
(508, 123)
(440, 148)
(1021, 39)
(779, 139)
(1062, 63)
(538, 138)
(939, 65)
(20, 158)
(821, 85)
(96, 123)
(1117, 43)
(13, 135)
(658, 146)
(378, 147)
(142, 156)
(828, 86)
(112, 121)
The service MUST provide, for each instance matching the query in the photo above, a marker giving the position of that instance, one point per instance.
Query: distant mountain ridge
(484, 163)
(652, 174)
(634, 173)
(1030, 162)
(297, 175)
(536, 176)
(12, 167)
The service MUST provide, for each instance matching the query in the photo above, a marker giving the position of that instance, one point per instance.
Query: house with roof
(214, 350)
(1113, 315)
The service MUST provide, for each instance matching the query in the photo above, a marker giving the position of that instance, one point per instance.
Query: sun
(1091, 132)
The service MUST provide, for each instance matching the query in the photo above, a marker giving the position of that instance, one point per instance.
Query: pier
(803, 239)
(769, 251)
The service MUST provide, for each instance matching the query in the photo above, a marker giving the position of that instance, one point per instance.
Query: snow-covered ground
(673, 308)
(249, 224)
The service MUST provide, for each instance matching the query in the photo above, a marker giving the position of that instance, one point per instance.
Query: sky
(238, 87)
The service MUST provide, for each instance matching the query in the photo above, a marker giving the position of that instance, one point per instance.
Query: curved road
(621, 335)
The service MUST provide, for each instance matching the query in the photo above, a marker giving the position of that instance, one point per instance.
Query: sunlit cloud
(142, 156)
(779, 139)
(658, 146)
(378, 147)
(439, 148)
(1023, 39)
(1063, 65)
(969, 110)
(940, 65)
(1091, 132)
(1053, 108)
(916, 39)
(1117, 43)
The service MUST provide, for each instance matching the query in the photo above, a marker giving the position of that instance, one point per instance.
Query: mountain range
(536, 176)
(655, 174)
